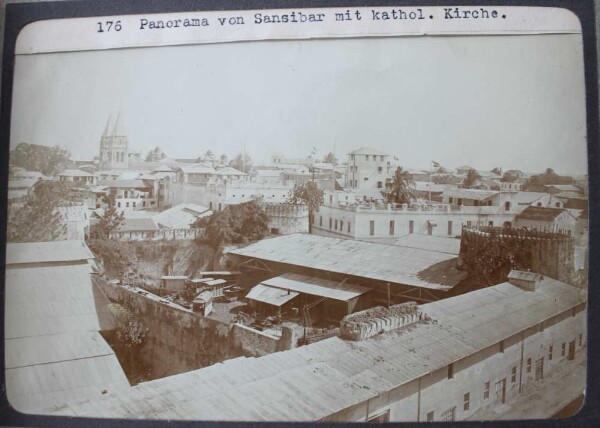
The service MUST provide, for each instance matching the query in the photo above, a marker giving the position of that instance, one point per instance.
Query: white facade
(368, 169)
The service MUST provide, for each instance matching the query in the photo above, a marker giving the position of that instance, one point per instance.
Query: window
(557, 205)
(507, 206)
(411, 226)
(321, 220)
(381, 158)
(459, 202)
(349, 224)
(134, 204)
(380, 184)
(502, 346)
(336, 222)
(580, 339)
(490, 223)
(550, 349)
(563, 349)
(330, 199)
(371, 228)
(330, 222)
(382, 417)
(127, 204)
(448, 415)
(529, 365)
(430, 416)
(466, 399)
(449, 227)
(118, 204)
(144, 204)
(539, 204)
(486, 390)
(352, 157)
(341, 225)
(450, 200)
(450, 371)
(391, 227)
(469, 224)
(513, 374)
(366, 178)
(367, 157)
(379, 169)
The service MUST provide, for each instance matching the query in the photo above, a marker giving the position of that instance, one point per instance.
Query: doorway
(539, 369)
(571, 351)
(501, 391)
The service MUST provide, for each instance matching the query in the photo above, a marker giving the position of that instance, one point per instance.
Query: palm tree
(401, 187)
(471, 179)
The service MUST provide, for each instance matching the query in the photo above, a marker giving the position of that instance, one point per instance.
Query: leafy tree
(38, 218)
(223, 159)
(34, 157)
(330, 158)
(497, 171)
(508, 178)
(471, 179)
(537, 182)
(401, 187)
(311, 195)
(236, 224)
(208, 155)
(155, 155)
(108, 223)
(443, 179)
(242, 162)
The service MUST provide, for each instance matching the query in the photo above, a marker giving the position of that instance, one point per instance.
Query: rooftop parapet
(371, 322)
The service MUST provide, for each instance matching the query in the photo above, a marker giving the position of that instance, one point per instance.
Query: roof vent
(527, 281)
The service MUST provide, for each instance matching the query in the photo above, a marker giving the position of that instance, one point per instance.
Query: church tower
(114, 146)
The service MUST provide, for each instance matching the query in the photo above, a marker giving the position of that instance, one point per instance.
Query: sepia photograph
(303, 224)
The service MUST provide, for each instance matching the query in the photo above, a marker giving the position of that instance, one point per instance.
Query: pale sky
(517, 102)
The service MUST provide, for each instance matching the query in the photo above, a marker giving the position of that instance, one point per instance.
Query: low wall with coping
(371, 322)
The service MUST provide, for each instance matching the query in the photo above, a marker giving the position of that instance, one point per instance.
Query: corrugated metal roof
(270, 295)
(45, 252)
(441, 244)
(390, 263)
(314, 381)
(140, 224)
(475, 194)
(317, 286)
(54, 351)
(181, 216)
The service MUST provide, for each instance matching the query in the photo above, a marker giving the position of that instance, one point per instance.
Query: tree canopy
(155, 155)
(330, 158)
(242, 162)
(236, 224)
(401, 190)
(34, 157)
(471, 179)
(310, 194)
(38, 219)
(108, 223)
(536, 182)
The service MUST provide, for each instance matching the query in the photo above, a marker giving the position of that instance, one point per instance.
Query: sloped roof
(228, 170)
(367, 151)
(47, 252)
(333, 374)
(540, 213)
(271, 295)
(475, 194)
(137, 225)
(125, 184)
(181, 216)
(54, 351)
(394, 264)
(199, 168)
(565, 187)
(316, 286)
(75, 173)
(441, 244)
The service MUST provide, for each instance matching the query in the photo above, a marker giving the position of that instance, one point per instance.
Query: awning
(270, 295)
(316, 286)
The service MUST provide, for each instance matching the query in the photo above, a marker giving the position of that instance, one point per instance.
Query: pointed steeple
(117, 131)
(107, 127)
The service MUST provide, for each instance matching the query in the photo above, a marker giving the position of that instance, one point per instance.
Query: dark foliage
(33, 157)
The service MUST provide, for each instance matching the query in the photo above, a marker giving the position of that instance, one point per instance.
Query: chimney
(527, 281)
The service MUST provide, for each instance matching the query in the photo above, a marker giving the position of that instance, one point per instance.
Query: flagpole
(430, 174)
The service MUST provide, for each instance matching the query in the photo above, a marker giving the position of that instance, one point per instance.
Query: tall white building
(367, 169)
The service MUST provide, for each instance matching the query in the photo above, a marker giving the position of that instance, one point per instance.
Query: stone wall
(549, 254)
(180, 340)
(287, 218)
(159, 235)
(374, 321)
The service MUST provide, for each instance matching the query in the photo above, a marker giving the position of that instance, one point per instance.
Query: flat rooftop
(314, 381)
(391, 263)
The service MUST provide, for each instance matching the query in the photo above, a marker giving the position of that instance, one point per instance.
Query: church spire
(107, 127)
(117, 131)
